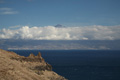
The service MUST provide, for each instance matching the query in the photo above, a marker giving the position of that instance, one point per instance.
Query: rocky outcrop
(36, 63)
(16, 67)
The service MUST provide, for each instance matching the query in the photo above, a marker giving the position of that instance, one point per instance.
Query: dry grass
(22, 68)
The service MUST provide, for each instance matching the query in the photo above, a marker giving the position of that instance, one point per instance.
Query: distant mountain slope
(15, 67)
(59, 44)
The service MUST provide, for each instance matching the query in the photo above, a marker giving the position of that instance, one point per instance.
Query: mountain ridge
(14, 44)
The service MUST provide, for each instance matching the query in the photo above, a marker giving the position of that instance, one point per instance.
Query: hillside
(16, 67)
(14, 44)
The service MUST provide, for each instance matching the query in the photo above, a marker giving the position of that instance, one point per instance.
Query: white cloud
(17, 26)
(95, 32)
(5, 11)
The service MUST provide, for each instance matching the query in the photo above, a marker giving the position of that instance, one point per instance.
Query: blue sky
(65, 12)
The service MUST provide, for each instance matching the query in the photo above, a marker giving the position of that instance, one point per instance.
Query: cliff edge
(16, 67)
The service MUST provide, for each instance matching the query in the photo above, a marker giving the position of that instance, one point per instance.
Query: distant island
(16, 67)
(18, 44)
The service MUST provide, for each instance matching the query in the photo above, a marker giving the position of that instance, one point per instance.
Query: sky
(83, 19)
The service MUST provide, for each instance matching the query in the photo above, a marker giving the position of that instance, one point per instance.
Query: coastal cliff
(16, 67)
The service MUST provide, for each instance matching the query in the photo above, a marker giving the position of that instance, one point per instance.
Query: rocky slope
(16, 67)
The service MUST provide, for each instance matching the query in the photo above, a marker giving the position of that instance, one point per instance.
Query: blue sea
(82, 64)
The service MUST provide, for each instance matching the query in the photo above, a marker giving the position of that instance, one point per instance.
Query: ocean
(81, 64)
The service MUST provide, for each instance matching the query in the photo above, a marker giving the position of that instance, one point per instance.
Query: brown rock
(39, 55)
(31, 55)
(15, 67)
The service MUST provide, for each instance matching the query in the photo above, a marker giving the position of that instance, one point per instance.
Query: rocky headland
(16, 67)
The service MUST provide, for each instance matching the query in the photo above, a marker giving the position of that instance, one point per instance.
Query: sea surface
(82, 64)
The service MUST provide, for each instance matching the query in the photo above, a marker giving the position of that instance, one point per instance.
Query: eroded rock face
(36, 63)
(15, 67)
(31, 55)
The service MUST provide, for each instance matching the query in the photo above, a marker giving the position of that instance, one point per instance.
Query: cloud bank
(95, 32)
